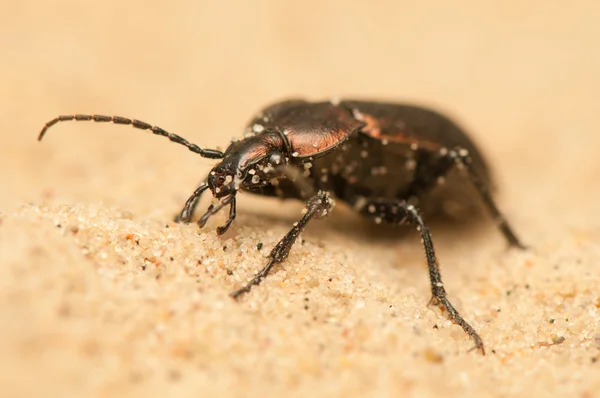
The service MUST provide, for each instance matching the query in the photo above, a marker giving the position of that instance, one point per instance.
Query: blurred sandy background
(100, 295)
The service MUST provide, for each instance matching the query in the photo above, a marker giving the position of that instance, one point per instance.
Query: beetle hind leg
(438, 164)
(399, 212)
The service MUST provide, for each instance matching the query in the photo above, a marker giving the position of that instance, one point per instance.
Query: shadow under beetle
(382, 159)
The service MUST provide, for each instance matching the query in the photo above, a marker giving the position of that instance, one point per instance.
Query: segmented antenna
(205, 153)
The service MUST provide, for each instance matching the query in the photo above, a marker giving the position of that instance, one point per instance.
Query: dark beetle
(380, 158)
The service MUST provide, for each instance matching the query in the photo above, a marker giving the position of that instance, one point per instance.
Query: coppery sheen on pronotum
(382, 159)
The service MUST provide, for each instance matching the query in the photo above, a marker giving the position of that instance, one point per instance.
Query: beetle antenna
(205, 153)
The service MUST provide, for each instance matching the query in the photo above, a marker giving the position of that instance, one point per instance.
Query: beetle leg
(462, 159)
(232, 212)
(400, 212)
(190, 205)
(459, 157)
(318, 206)
(213, 209)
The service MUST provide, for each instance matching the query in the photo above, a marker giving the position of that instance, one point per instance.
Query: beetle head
(248, 164)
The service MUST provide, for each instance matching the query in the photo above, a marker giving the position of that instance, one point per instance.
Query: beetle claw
(222, 229)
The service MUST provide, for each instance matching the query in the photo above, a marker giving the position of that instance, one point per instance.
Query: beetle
(382, 159)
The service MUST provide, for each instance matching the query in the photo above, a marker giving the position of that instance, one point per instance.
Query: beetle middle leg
(435, 165)
(318, 206)
(399, 212)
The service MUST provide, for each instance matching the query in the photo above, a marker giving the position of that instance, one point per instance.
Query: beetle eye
(216, 180)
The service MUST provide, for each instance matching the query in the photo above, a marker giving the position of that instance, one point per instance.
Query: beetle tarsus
(318, 206)
(442, 302)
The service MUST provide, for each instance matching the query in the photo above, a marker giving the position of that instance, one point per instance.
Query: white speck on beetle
(315, 144)
(463, 152)
(295, 154)
(443, 151)
(228, 179)
(371, 208)
(360, 203)
(358, 115)
(384, 142)
(255, 179)
(258, 128)
(251, 172)
(414, 146)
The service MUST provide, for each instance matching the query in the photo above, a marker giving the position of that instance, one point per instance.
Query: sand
(101, 294)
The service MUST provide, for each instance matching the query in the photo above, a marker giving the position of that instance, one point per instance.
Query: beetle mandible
(380, 158)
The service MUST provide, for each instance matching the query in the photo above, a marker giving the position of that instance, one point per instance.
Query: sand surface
(102, 295)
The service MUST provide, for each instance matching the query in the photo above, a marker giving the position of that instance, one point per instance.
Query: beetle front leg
(185, 215)
(439, 164)
(318, 206)
(399, 212)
